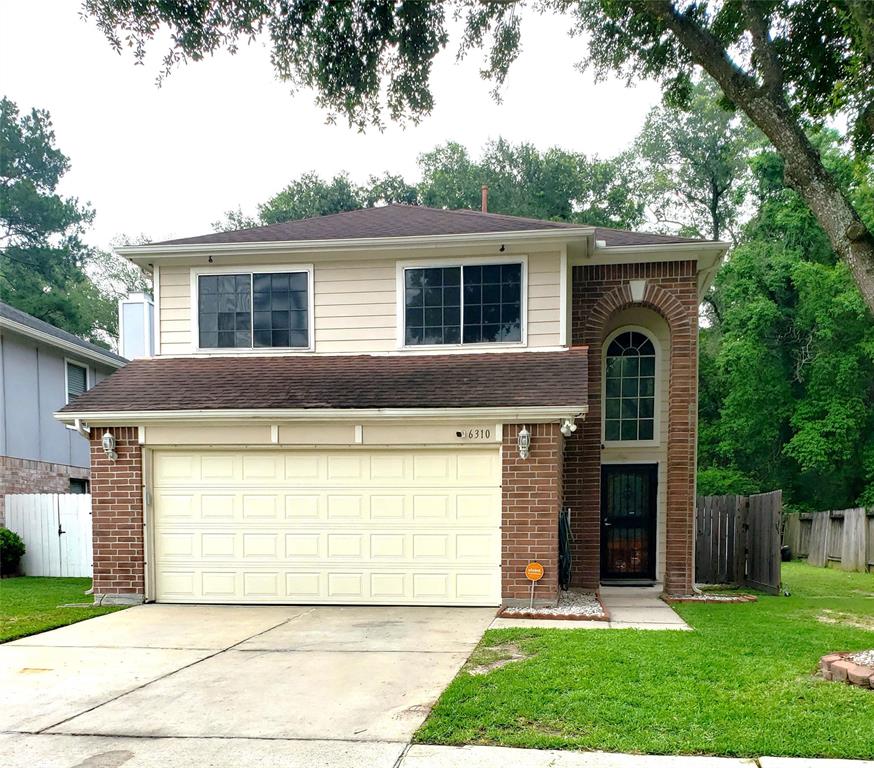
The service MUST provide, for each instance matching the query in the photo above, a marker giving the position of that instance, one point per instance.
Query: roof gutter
(707, 255)
(530, 414)
(55, 341)
(715, 245)
(357, 243)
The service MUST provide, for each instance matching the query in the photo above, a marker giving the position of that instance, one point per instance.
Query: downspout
(82, 429)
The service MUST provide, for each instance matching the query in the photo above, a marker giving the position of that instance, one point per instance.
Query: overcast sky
(168, 161)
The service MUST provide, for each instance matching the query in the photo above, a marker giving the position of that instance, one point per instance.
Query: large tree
(787, 369)
(43, 256)
(46, 268)
(786, 64)
(696, 164)
(523, 181)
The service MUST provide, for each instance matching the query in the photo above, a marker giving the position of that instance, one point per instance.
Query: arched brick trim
(599, 293)
(654, 297)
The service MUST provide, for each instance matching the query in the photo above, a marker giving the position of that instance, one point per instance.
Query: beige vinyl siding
(175, 299)
(544, 299)
(355, 304)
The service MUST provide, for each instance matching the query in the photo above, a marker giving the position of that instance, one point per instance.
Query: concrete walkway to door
(289, 685)
(628, 608)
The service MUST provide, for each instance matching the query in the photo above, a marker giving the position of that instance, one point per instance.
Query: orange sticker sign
(534, 571)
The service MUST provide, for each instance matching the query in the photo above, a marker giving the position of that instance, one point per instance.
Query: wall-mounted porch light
(524, 442)
(108, 443)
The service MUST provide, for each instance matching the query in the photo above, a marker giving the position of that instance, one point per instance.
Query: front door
(628, 521)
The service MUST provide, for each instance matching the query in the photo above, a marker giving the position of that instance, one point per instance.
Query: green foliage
(721, 481)
(44, 263)
(389, 189)
(523, 181)
(696, 163)
(822, 49)
(787, 374)
(310, 196)
(363, 57)
(12, 549)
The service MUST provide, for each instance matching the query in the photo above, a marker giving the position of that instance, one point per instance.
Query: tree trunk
(715, 230)
(806, 174)
(804, 170)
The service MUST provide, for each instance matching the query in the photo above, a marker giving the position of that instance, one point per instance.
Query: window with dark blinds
(77, 380)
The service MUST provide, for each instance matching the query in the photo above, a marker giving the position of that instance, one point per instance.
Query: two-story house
(391, 406)
(42, 368)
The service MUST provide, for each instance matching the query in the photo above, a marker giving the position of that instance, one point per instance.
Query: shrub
(11, 550)
(720, 481)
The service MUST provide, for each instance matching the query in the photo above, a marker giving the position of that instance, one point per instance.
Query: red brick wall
(598, 293)
(531, 499)
(29, 476)
(117, 515)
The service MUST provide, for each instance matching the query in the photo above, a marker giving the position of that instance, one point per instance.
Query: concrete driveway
(230, 685)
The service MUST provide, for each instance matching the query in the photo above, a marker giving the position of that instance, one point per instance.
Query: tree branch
(862, 12)
(707, 51)
(763, 48)
(710, 302)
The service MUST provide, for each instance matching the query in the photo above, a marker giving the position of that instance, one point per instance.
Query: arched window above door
(629, 388)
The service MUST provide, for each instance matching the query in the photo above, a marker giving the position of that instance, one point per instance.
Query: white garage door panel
(341, 526)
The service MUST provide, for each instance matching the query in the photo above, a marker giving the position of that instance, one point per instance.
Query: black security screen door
(628, 521)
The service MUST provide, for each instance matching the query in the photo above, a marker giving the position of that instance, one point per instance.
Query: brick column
(599, 292)
(117, 518)
(530, 502)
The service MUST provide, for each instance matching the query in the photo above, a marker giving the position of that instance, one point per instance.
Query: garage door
(348, 526)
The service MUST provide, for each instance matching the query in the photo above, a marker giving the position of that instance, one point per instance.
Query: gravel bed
(572, 603)
(711, 597)
(865, 658)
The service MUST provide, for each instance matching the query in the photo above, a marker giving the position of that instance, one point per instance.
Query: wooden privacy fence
(738, 540)
(844, 536)
(56, 529)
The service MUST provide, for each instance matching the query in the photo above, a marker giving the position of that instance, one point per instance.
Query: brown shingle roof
(409, 221)
(521, 379)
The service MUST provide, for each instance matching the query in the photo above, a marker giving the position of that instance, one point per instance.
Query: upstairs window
(629, 375)
(253, 310)
(77, 380)
(466, 304)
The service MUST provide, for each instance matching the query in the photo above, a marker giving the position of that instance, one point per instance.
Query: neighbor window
(77, 380)
(253, 310)
(463, 304)
(629, 375)
(78, 485)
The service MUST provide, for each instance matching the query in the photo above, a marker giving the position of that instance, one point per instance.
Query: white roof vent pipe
(136, 323)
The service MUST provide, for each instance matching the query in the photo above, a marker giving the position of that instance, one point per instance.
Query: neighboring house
(390, 406)
(41, 369)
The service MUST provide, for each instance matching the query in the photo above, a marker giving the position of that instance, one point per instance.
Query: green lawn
(742, 684)
(31, 604)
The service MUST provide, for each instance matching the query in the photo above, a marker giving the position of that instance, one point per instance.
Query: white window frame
(258, 269)
(403, 266)
(657, 404)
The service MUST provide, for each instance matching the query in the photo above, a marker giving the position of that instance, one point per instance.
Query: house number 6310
(477, 433)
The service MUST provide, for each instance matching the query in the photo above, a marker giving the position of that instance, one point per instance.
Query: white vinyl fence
(56, 529)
